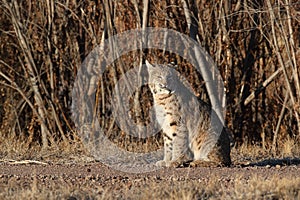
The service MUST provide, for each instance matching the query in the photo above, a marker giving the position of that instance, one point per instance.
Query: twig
(22, 162)
(279, 122)
(262, 86)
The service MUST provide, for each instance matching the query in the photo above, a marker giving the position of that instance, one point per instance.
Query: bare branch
(262, 87)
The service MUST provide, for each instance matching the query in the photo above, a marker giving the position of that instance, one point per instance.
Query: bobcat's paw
(161, 163)
(202, 163)
(174, 164)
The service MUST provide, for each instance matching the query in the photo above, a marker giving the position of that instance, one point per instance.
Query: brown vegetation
(255, 45)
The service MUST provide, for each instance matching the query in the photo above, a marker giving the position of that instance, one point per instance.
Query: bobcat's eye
(161, 85)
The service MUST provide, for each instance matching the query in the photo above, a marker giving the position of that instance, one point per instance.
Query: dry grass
(255, 154)
(16, 148)
(274, 188)
(74, 151)
(253, 188)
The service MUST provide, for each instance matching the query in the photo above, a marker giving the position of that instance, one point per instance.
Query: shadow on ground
(274, 162)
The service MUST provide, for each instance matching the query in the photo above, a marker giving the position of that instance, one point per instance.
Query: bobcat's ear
(148, 64)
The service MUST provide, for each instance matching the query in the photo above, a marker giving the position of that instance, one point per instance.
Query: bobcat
(190, 126)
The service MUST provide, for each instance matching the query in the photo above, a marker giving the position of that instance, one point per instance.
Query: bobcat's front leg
(167, 152)
(180, 151)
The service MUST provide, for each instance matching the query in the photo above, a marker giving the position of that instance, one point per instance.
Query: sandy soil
(101, 171)
(97, 176)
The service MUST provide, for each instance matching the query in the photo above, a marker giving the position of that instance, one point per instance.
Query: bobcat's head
(161, 79)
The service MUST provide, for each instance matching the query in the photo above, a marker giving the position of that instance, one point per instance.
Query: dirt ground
(94, 180)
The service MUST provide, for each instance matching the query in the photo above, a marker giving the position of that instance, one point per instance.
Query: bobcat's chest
(168, 113)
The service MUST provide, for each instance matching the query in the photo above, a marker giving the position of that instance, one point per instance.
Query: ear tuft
(148, 64)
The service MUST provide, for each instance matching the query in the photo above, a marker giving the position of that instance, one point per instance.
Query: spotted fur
(192, 131)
